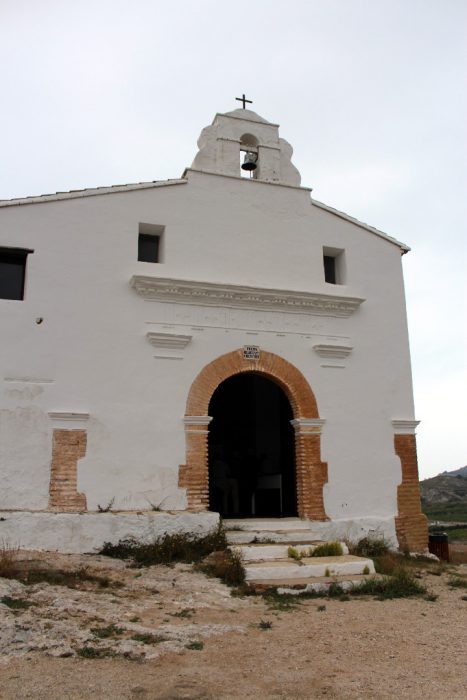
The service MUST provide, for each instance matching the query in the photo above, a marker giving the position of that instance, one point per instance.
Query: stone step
(289, 537)
(318, 584)
(269, 524)
(309, 567)
(261, 552)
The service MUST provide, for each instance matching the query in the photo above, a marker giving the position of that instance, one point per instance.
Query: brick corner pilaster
(411, 523)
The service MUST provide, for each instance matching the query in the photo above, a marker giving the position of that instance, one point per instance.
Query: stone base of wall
(85, 533)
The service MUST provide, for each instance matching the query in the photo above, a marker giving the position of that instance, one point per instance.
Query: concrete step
(318, 584)
(310, 567)
(262, 552)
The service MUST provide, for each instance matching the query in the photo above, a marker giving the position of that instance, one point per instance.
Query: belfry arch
(311, 472)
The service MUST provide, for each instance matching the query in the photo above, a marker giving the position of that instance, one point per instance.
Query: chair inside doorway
(251, 449)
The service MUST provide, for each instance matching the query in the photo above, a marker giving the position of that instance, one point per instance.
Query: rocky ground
(173, 633)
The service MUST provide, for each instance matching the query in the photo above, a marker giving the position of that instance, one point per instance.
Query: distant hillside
(444, 497)
(457, 472)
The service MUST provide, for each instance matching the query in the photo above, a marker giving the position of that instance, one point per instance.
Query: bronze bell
(250, 161)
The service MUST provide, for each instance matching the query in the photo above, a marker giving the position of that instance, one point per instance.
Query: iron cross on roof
(243, 99)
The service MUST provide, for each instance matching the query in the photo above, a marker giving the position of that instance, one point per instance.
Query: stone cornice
(197, 420)
(308, 425)
(237, 296)
(68, 420)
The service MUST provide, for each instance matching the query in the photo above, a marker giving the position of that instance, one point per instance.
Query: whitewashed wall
(90, 354)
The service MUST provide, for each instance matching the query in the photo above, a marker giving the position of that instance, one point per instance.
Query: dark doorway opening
(251, 449)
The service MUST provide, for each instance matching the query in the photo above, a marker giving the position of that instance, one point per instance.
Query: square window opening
(334, 266)
(150, 243)
(13, 272)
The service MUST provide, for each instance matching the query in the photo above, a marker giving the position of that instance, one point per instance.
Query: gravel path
(362, 648)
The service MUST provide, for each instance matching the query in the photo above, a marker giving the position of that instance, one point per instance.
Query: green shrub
(328, 549)
(168, 549)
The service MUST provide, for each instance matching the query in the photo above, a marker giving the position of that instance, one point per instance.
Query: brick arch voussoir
(283, 373)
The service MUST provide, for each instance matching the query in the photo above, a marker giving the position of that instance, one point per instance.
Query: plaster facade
(108, 348)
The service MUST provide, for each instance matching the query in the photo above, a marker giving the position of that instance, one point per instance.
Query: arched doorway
(251, 449)
(311, 472)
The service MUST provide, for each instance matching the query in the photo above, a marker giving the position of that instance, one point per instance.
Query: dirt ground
(361, 648)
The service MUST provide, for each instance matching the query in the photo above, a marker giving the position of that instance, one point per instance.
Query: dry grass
(8, 560)
(32, 571)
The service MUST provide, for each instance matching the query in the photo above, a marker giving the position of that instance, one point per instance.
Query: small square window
(334, 265)
(149, 243)
(12, 272)
(329, 269)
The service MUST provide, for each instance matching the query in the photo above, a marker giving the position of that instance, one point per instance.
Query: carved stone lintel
(238, 296)
(169, 340)
(332, 350)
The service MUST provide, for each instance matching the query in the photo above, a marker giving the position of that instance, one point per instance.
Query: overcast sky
(370, 93)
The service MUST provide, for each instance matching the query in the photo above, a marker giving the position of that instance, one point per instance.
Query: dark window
(12, 272)
(329, 269)
(148, 248)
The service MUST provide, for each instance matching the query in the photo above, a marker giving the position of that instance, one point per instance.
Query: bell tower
(242, 131)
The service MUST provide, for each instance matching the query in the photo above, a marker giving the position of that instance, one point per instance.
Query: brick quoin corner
(411, 523)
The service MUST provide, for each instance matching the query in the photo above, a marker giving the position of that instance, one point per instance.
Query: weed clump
(226, 565)
(16, 603)
(147, 638)
(369, 547)
(401, 584)
(168, 549)
(328, 549)
(106, 632)
(186, 612)
(195, 645)
(457, 582)
(94, 653)
(293, 553)
(265, 625)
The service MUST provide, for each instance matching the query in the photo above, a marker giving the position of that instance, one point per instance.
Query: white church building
(215, 344)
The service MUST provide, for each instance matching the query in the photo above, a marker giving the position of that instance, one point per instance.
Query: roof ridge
(403, 246)
(89, 192)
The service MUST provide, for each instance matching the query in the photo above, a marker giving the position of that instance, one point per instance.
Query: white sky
(370, 93)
